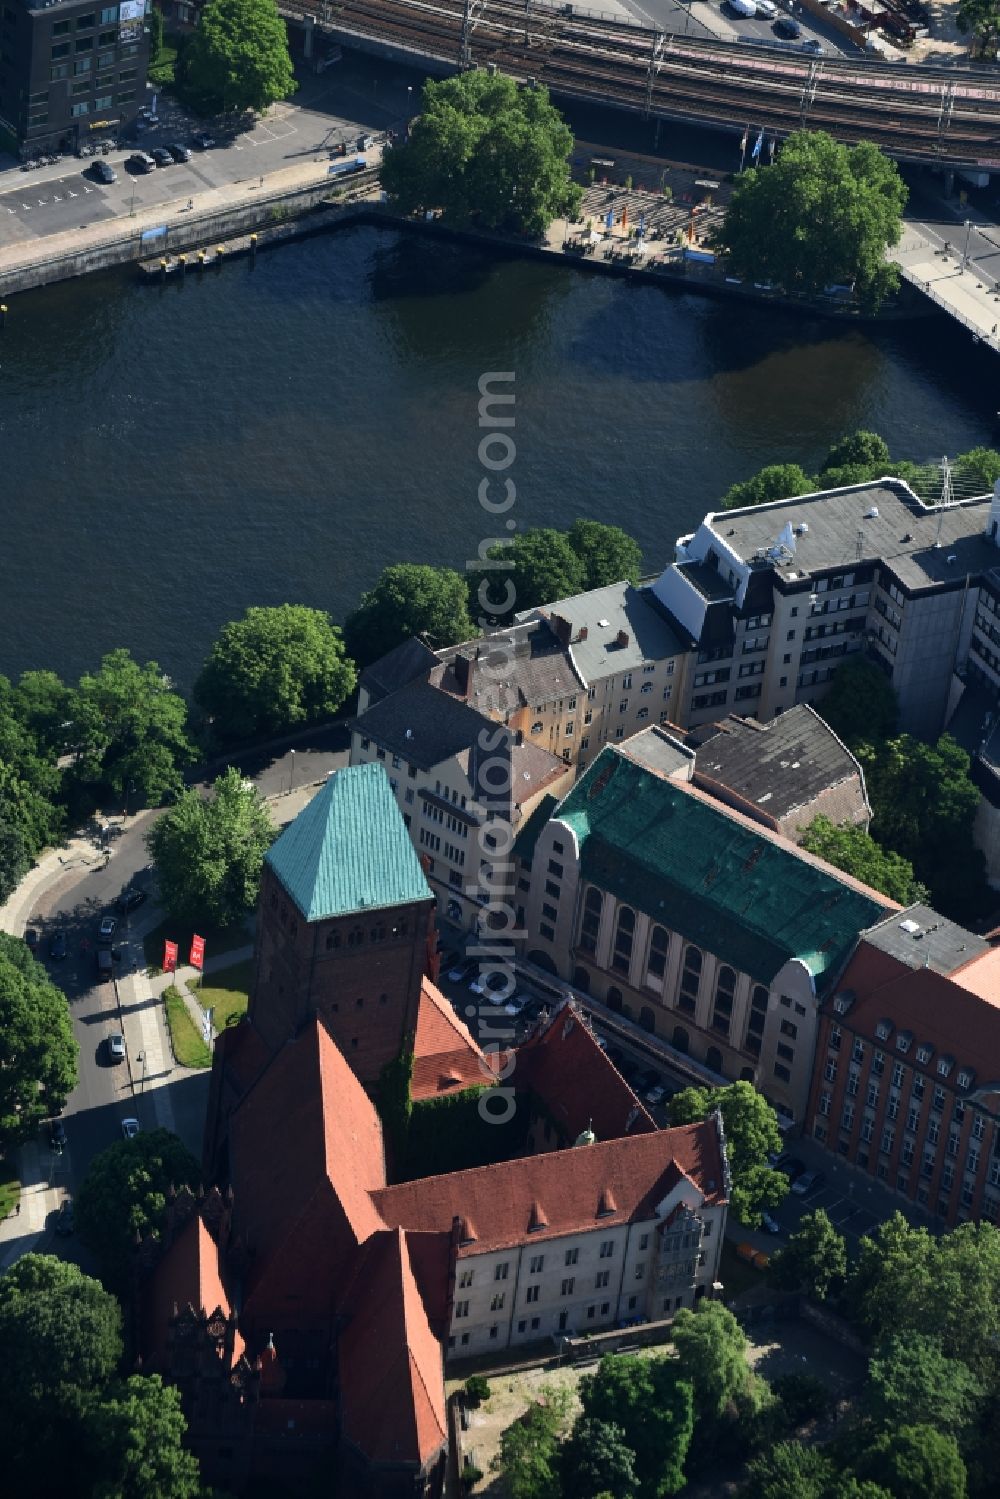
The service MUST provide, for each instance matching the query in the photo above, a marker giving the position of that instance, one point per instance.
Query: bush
(477, 1389)
(471, 1474)
(803, 1398)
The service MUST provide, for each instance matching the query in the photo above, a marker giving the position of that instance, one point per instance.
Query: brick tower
(342, 924)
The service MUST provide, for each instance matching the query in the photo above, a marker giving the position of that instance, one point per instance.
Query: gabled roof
(187, 1275)
(348, 850)
(400, 666)
(422, 724)
(445, 1057)
(607, 615)
(570, 1189)
(392, 1380)
(563, 1065)
(722, 881)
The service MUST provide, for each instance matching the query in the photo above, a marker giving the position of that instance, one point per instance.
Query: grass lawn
(226, 992)
(10, 1187)
(162, 71)
(189, 1048)
(230, 940)
(736, 1275)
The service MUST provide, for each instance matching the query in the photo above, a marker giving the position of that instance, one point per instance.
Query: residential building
(783, 774)
(711, 931)
(70, 70)
(907, 1078)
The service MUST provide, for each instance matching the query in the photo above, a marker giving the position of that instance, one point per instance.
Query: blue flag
(609, 219)
(757, 145)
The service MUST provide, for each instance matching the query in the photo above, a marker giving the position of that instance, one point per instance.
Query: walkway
(968, 289)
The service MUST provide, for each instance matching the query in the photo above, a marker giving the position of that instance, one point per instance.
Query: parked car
(462, 970)
(745, 8)
(130, 1128)
(755, 1257)
(116, 1047)
(141, 161)
(770, 1223)
(179, 152)
(808, 1181)
(107, 928)
(57, 945)
(767, 9)
(791, 1166)
(788, 28)
(493, 986)
(203, 140)
(64, 1223)
(162, 156)
(31, 938)
(103, 171)
(57, 1135)
(814, 46)
(131, 899)
(517, 1004)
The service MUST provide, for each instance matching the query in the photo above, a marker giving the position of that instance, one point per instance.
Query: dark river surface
(170, 455)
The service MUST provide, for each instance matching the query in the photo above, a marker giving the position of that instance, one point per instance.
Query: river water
(170, 455)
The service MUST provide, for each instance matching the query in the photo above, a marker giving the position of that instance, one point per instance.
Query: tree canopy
(814, 1260)
(861, 448)
(209, 852)
(856, 852)
(485, 150)
(238, 57)
(540, 566)
(596, 1459)
(712, 1354)
(130, 730)
(653, 1407)
(751, 1127)
(138, 1431)
(861, 703)
(528, 1457)
(40, 1052)
(915, 1460)
(409, 599)
(912, 1382)
(125, 1193)
(60, 1332)
(608, 554)
(274, 670)
(29, 783)
(778, 481)
(822, 214)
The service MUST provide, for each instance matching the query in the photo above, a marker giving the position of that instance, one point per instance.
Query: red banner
(169, 957)
(197, 957)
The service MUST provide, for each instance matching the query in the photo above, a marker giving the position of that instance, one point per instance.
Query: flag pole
(743, 145)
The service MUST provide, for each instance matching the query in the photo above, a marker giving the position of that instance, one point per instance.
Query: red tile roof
(563, 1064)
(244, 1054)
(392, 1380)
(187, 1275)
(565, 1187)
(445, 1057)
(980, 976)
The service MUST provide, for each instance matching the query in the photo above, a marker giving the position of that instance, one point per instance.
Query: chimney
(518, 736)
(583, 633)
(561, 628)
(463, 674)
(622, 637)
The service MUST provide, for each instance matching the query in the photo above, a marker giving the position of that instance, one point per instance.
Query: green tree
(61, 1336)
(802, 1397)
(29, 786)
(912, 1382)
(539, 567)
(484, 149)
(130, 730)
(528, 1456)
(596, 1459)
(856, 853)
(238, 58)
(409, 599)
(860, 704)
(979, 466)
(915, 1460)
(274, 670)
(751, 1128)
(814, 1260)
(209, 853)
(861, 448)
(823, 214)
(791, 1471)
(42, 702)
(155, 16)
(778, 481)
(40, 1052)
(982, 18)
(137, 1432)
(608, 553)
(712, 1354)
(125, 1193)
(654, 1409)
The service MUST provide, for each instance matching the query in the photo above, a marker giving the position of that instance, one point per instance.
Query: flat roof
(922, 938)
(658, 751)
(843, 532)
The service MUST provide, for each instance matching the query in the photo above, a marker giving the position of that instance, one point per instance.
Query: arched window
(590, 925)
(757, 1019)
(647, 1020)
(581, 980)
(687, 998)
(621, 956)
(713, 1059)
(722, 1010)
(656, 961)
(614, 1000)
(332, 940)
(679, 1040)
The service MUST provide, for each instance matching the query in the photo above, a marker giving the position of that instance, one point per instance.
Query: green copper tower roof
(349, 850)
(728, 888)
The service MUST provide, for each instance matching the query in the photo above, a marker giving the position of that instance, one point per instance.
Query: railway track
(920, 113)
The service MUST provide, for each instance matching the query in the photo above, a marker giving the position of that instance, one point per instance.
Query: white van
(745, 8)
(767, 9)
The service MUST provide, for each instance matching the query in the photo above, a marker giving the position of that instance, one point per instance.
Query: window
(85, 44)
(109, 15)
(567, 1286)
(725, 987)
(602, 1279)
(536, 1264)
(687, 998)
(537, 726)
(84, 22)
(623, 705)
(461, 1308)
(60, 71)
(640, 1270)
(551, 888)
(61, 28)
(531, 1294)
(621, 956)
(500, 1273)
(572, 1256)
(590, 924)
(607, 1249)
(497, 1301)
(550, 912)
(78, 110)
(646, 687)
(757, 1019)
(656, 960)
(61, 49)
(626, 681)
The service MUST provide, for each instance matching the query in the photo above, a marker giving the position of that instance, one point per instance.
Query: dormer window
(965, 1078)
(903, 1041)
(924, 1053)
(883, 1030)
(945, 1065)
(841, 1004)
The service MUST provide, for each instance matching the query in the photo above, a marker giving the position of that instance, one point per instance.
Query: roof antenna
(947, 495)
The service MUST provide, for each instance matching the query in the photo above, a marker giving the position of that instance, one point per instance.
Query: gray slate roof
(422, 724)
(605, 613)
(778, 766)
(405, 664)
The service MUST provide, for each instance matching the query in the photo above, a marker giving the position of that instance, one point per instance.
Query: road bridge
(945, 117)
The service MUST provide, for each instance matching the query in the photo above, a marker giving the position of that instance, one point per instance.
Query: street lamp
(968, 236)
(142, 1081)
(291, 778)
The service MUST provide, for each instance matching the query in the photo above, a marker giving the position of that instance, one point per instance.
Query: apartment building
(69, 70)
(907, 1080)
(706, 928)
(777, 596)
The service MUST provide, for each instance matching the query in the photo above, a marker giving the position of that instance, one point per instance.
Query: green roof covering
(349, 850)
(723, 886)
